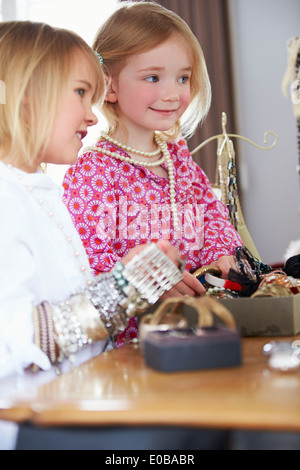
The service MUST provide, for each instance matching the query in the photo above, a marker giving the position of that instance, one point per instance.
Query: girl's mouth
(164, 112)
(81, 134)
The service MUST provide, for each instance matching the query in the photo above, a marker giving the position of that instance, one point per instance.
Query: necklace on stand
(292, 76)
(162, 148)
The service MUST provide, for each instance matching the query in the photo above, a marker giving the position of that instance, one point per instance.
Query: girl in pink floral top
(139, 182)
(101, 191)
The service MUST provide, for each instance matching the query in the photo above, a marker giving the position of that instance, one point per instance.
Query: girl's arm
(50, 332)
(65, 328)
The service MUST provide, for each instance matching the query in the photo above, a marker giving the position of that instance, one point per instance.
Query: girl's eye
(80, 91)
(184, 79)
(152, 78)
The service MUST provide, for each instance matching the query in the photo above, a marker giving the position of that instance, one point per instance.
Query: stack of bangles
(103, 309)
(277, 284)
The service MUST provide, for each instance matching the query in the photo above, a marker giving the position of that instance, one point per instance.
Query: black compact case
(192, 349)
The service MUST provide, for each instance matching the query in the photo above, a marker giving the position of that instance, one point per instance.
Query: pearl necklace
(166, 158)
(129, 149)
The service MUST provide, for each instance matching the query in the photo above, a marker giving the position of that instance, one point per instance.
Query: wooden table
(117, 388)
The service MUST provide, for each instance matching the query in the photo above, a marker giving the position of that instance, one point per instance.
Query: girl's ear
(111, 94)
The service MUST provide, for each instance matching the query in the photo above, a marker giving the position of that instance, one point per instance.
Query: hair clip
(100, 58)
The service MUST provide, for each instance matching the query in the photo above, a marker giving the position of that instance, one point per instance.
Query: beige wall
(271, 192)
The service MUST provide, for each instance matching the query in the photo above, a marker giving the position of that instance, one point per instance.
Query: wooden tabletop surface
(117, 388)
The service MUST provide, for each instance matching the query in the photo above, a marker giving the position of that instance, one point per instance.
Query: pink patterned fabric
(115, 205)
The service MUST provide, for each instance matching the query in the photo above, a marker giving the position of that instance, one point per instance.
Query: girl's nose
(171, 93)
(91, 117)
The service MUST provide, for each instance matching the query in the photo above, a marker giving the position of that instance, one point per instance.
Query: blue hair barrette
(100, 58)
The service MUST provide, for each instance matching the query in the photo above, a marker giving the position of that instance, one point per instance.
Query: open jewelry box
(266, 316)
(260, 316)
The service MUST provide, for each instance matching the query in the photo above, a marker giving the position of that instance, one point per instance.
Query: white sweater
(41, 259)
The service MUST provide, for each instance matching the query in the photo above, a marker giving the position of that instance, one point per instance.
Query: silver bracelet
(105, 307)
(146, 278)
(131, 289)
(68, 333)
(85, 318)
(88, 316)
(107, 298)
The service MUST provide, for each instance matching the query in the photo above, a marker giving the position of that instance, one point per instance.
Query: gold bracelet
(207, 269)
(76, 325)
(87, 315)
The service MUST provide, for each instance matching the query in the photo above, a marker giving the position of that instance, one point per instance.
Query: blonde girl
(36, 61)
(51, 307)
(140, 173)
(137, 28)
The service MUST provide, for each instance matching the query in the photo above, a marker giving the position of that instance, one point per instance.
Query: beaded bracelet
(43, 330)
(133, 303)
(107, 297)
(69, 334)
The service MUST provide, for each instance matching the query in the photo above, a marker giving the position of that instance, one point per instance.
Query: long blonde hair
(35, 65)
(137, 27)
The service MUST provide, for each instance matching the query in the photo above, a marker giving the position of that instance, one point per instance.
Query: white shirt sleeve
(17, 273)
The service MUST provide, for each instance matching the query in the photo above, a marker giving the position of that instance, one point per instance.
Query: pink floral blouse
(115, 205)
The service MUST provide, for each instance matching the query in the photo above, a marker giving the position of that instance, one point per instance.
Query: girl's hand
(224, 263)
(189, 285)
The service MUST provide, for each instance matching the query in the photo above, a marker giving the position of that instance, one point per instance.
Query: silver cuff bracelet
(146, 278)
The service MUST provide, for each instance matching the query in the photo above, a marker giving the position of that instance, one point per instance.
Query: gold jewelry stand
(292, 78)
(226, 186)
